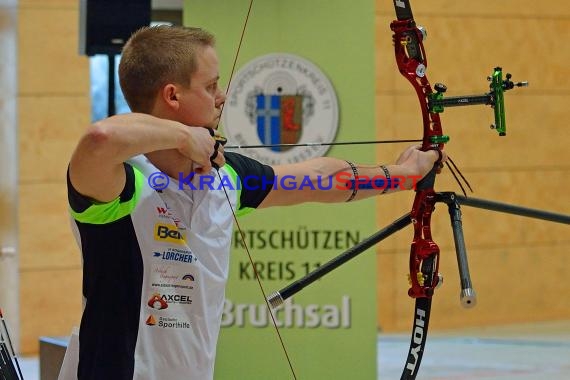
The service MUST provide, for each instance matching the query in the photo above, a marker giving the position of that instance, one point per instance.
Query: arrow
(320, 144)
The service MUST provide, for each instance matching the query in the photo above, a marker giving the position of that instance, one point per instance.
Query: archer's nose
(220, 98)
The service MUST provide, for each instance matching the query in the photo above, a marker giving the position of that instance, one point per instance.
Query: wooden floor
(516, 352)
(521, 352)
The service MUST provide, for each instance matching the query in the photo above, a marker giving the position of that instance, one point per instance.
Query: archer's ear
(170, 95)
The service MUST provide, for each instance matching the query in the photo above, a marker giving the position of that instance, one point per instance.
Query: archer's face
(202, 102)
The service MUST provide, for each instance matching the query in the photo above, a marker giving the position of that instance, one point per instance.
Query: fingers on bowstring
(215, 155)
(218, 153)
(211, 131)
(219, 140)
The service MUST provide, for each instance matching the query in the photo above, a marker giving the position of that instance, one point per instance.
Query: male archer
(131, 329)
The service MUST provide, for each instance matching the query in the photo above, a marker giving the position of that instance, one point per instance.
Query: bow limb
(240, 230)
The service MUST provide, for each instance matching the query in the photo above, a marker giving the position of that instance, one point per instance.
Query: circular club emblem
(278, 100)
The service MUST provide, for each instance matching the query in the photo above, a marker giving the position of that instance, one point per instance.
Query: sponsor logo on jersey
(156, 302)
(160, 301)
(173, 254)
(167, 276)
(168, 233)
(166, 213)
(167, 322)
(151, 321)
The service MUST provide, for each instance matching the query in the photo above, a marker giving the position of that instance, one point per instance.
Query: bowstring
(234, 215)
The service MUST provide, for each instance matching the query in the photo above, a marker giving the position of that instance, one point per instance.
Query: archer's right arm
(96, 168)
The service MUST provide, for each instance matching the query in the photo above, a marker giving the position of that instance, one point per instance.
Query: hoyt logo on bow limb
(280, 99)
(418, 340)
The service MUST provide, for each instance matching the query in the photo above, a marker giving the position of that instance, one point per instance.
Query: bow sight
(493, 98)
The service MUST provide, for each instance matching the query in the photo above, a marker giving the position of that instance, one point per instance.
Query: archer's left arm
(331, 180)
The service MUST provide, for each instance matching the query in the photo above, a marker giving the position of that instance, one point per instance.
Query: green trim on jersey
(234, 176)
(103, 213)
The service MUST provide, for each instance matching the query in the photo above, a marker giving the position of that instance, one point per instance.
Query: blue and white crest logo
(281, 99)
(279, 119)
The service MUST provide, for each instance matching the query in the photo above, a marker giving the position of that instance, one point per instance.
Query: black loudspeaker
(105, 25)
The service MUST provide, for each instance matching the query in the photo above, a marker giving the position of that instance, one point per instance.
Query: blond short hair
(158, 55)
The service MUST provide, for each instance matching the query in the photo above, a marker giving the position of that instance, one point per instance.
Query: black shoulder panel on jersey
(259, 177)
(80, 203)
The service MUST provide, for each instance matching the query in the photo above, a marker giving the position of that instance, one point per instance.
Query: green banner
(329, 329)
